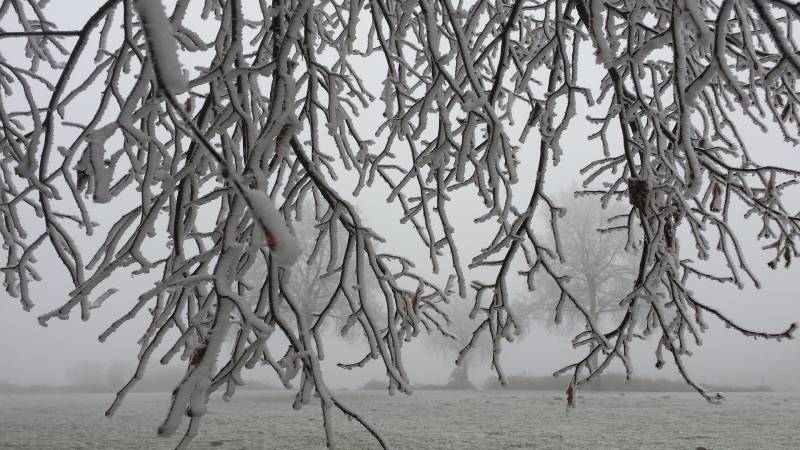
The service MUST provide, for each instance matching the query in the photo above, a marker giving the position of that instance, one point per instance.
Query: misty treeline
(183, 143)
(86, 377)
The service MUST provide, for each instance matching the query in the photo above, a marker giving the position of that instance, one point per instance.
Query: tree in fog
(313, 280)
(600, 262)
(181, 146)
(458, 342)
(451, 340)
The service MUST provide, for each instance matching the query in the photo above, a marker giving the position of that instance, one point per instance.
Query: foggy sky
(31, 354)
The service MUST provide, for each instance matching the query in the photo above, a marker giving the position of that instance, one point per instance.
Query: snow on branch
(161, 45)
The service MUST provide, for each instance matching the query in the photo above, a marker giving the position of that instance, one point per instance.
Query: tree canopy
(208, 125)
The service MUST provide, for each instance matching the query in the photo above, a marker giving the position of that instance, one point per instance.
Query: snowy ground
(428, 419)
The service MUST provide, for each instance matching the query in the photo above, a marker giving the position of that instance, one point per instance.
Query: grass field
(426, 420)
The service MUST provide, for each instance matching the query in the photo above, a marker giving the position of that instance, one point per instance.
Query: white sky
(31, 354)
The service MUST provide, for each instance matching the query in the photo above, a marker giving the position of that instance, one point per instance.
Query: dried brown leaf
(198, 354)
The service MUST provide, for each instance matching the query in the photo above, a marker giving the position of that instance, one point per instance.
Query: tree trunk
(459, 378)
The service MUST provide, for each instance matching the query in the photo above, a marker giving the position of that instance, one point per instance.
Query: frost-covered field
(426, 420)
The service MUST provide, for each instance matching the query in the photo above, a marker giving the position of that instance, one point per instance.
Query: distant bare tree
(600, 263)
(451, 341)
(216, 159)
(459, 335)
(313, 281)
